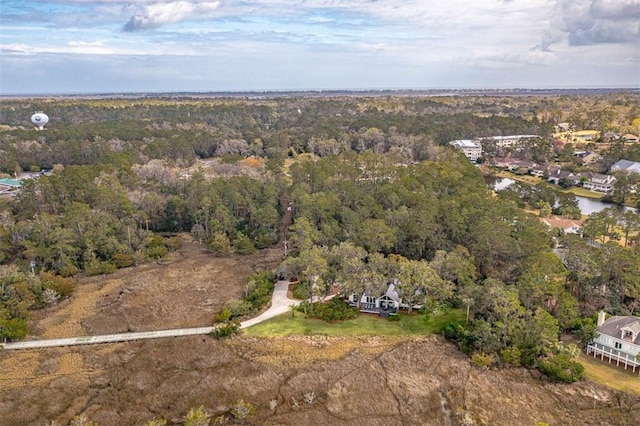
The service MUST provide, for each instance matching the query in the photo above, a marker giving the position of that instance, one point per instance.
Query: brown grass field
(372, 380)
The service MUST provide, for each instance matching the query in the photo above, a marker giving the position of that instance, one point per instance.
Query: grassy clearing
(364, 325)
(610, 375)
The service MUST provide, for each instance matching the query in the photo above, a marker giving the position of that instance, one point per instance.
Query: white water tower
(40, 119)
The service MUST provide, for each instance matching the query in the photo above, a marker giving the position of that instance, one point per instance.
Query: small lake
(587, 205)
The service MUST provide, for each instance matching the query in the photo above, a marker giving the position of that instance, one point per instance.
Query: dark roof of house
(613, 326)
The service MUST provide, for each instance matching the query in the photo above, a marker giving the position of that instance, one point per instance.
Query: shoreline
(581, 192)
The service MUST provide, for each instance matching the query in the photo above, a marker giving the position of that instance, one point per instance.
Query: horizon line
(317, 91)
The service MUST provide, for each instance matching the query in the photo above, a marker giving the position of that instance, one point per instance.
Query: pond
(586, 205)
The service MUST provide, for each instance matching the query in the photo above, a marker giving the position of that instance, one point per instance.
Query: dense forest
(358, 190)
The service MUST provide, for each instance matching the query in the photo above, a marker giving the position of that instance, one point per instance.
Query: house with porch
(599, 182)
(384, 304)
(618, 340)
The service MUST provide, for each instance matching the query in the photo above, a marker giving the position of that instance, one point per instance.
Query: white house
(510, 141)
(471, 149)
(384, 305)
(599, 182)
(617, 339)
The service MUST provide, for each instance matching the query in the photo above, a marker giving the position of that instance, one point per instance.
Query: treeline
(435, 230)
(96, 219)
(118, 132)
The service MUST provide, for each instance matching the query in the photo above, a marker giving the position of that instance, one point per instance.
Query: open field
(187, 290)
(397, 379)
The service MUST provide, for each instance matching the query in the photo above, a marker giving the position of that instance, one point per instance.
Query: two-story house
(599, 182)
(618, 340)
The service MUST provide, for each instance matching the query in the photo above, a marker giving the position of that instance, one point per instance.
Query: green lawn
(364, 325)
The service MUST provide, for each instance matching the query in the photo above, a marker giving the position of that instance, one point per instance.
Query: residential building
(557, 175)
(568, 226)
(630, 138)
(513, 164)
(626, 166)
(509, 141)
(617, 339)
(586, 135)
(599, 182)
(471, 149)
(591, 158)
(386, 304)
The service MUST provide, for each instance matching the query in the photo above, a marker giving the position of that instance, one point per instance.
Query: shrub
(561, 368)
(68, 270)
(243, 244)
(224, 315)
(219, 244)
(242, 410)
(157, 252)
(511, 355)
(124, 260)
(238, 308)
(225, 330)
(334, 310)
(197, 417)
(96, 267)
(13, 329)
(337, 310)
(301, 290)
(156, 247)
(481, 360)
(61, 285)
(173, 243)
(457, 332)
(259, 289)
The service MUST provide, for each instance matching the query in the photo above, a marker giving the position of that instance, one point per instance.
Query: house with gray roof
(626, 166)
(385, 304)
(617, 340)
(599, 182)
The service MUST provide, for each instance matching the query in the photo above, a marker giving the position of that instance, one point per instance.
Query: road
(280, 304)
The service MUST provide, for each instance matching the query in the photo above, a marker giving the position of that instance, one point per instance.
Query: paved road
(280, 304)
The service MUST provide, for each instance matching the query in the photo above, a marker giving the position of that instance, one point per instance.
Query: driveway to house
(280, 304)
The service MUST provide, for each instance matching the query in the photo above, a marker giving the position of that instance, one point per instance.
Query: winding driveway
(280, 304)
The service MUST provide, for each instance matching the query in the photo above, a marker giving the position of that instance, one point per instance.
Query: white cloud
(592, 22)
(157, 14)
(327, 43)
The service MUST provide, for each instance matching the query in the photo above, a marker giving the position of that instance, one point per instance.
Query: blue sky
(81, 46)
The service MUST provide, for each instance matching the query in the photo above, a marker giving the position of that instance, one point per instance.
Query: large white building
(510, 141)
(471, 149)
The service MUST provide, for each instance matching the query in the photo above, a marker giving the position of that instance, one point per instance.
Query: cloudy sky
(83, 46)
